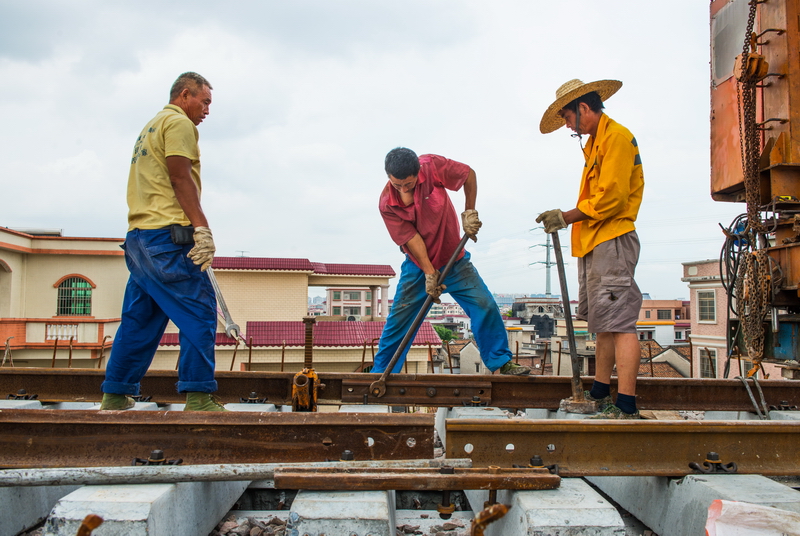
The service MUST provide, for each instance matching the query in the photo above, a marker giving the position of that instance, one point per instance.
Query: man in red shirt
(421, 219)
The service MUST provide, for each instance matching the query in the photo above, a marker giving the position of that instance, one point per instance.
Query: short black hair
(592, 100)
(191, 80)
(401, 163)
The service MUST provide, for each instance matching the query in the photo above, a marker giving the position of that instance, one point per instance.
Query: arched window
(74, 297)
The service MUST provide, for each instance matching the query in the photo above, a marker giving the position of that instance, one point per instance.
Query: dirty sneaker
(202, 402)
(613, 412)
(602, 403)
(113, 401)
(514, 369)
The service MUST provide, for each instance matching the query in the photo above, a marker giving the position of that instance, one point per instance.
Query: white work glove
(553, 220)
(203, 251)
(470, 223)
(432, 288)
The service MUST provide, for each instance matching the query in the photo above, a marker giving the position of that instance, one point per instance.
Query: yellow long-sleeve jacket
(611, 187)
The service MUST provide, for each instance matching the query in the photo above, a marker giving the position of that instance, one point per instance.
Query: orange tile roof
(646, 347)
(683, 350)
(659, 370)
(301, 265)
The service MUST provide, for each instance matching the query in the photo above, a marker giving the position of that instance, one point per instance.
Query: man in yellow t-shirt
(167, 249)
(604, 236)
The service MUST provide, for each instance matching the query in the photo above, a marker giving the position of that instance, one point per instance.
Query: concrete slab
(20, 404)
(343, 512)
(784, 415)
(442, 414)
(477, 413)
(185, 509)
(140, 406)
(258, 408)
(237, 407)
(26, 507)
(571, 416)
(673, 507)
(571, 510)
(730, 416)
(538, 413)
(360, 408)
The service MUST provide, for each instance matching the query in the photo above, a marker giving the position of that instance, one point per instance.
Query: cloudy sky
(309, 95)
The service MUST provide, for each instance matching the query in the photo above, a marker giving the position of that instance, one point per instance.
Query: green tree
(444, 333)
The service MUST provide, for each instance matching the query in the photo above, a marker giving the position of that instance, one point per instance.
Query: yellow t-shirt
(611, 187)
(151, 200)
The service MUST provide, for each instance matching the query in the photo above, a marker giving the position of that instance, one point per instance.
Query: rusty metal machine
(755, 159)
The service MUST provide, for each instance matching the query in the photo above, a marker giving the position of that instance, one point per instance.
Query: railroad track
(434, 390)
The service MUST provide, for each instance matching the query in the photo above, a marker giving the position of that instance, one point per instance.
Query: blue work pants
(163, 285)
(465, 285)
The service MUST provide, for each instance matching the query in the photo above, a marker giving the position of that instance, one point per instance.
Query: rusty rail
(628, 448)
(376, 478)
(82, 438)
(59, 385)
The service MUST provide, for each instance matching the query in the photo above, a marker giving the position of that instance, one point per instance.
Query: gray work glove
(203, 251)
(432, 288)
(470, 223)
(553, 220)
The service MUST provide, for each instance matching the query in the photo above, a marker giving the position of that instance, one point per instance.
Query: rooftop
(300, 265)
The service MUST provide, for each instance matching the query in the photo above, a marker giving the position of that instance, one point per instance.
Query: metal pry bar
(378, 387)
(231, 328)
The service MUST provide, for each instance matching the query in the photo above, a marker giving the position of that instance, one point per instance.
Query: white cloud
(310, 95)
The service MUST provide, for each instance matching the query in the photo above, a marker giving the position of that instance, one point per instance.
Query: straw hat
(570, 91)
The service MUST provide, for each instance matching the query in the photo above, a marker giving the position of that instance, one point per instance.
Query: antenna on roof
(242, 253)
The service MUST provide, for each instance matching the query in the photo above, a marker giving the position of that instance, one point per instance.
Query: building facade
(709, 320)
(60, 297)
(664, 321)
(357, 302)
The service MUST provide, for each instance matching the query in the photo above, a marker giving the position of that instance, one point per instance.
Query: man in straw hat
(603, 236)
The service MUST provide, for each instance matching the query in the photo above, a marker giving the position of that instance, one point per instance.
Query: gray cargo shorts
(608, 297)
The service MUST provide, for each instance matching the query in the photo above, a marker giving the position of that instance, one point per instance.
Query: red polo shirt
(431, 213)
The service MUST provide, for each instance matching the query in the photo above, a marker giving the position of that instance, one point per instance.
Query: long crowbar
(231, 328)
(378, 387)
(578, 402)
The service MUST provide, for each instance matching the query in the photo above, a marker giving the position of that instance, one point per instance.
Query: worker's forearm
(574, 215)
(470, 190)
(180, 176)
(416, 246)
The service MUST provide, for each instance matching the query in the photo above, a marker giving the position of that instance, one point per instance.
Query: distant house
(60, 297)
(663, 362)
(465, 357)
(709, 316)
(460, 325)
(665, 321)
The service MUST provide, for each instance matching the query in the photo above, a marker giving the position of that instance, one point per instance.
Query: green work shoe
(116, 402)
(514, 369)
(202, 402)
(602, 403)
(613, 412)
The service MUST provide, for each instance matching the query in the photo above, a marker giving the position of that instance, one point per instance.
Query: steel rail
(170, 474)
(37, 438)
(355, 479)
(442, 390)
(628, 448)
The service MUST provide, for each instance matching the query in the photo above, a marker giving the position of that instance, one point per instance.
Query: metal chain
(753, 282)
